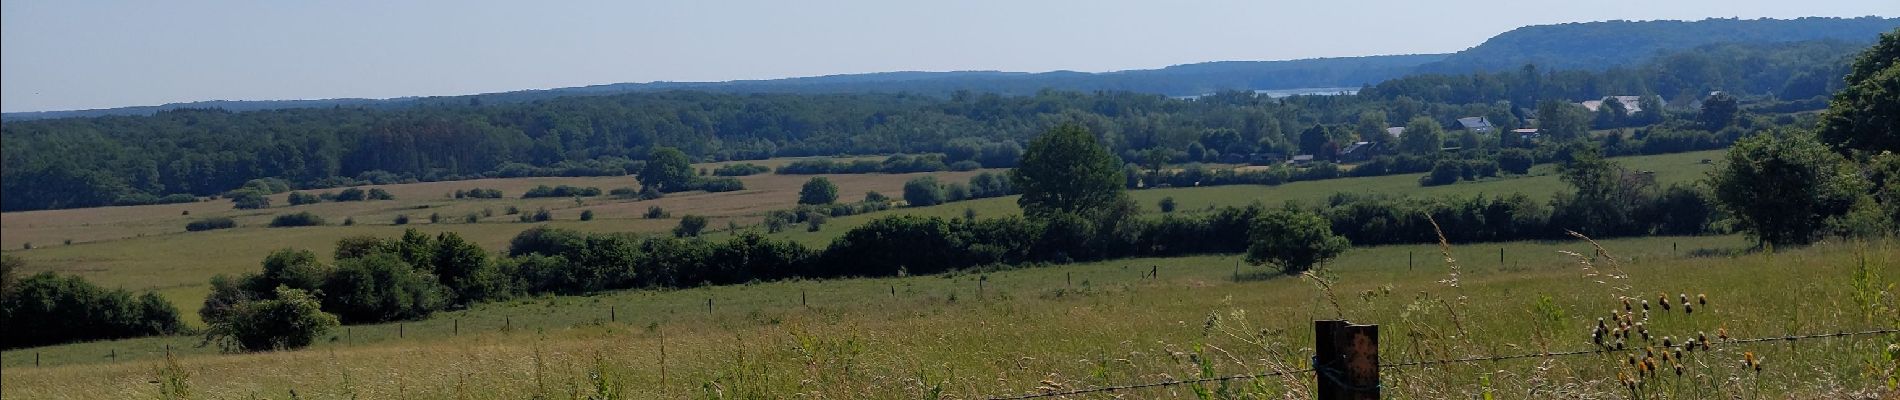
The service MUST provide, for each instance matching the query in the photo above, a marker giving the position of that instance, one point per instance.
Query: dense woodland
(82, 162)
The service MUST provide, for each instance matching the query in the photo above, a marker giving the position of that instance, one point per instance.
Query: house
(1395, 131)
(1631, 104)
(1302, 159)
(1475, 124)
(1360, 151)
(1528, 134)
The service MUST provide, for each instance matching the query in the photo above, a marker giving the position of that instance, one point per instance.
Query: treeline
(46, 309)
(81, 162)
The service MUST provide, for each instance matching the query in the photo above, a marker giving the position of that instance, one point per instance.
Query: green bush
(923, 192)
(690, 226)
(381, 287)
(297, 219)
(655, 212)
(587, 215)
(818, 191)
(741, 169)
(47, 309)
(249, 200)
(301, 198)
(210, 224)
(291, 319)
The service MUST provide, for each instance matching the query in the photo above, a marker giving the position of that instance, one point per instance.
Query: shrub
(479, 193)
(624, 193)
(210, 223)
(297, 219)
(352, 194)
(402, 219)
(47, 309)
(512, 210)
(717, 185)
(1446, 172)
(293, 319)
(380, 194)
(435, 218)
(587, 215)
(301, 198)
(249, 200)
(966, 165)
(740, 169)
(348, 221)
(381, 287)
(923, 192)
(1516, 161)
(1167, 204)
(690, 226)
(472, 218)
(560, 191)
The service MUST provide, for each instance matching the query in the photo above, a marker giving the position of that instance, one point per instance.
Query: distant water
(1279, 93)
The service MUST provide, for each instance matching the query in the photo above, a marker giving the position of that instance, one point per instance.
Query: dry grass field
(147, 247)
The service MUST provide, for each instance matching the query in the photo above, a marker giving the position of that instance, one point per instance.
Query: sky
(64, 55)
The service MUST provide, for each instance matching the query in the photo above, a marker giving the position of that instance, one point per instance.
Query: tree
(690, 226)
(298, 269)
(293, 319)
(1293, 240)
(1423, 137)
(923, 191)
(1067, 170)
(1783, 186)
(1371, 127)
(1562, 121)
(1167, 204)
(1865, 116)
(667, 170)
(818, 190)
(1718, 111)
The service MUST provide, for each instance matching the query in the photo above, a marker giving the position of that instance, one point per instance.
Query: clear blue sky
(58, 54)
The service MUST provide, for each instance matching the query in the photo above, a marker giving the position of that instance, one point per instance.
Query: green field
(1075, 326)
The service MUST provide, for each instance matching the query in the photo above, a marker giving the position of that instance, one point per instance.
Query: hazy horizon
(88, 55)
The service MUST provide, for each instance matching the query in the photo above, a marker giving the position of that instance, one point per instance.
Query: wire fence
(1423, 363)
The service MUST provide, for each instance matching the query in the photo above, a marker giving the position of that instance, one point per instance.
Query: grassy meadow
(1085, 325)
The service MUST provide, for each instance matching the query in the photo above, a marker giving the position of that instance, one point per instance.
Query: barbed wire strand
(1437, 362)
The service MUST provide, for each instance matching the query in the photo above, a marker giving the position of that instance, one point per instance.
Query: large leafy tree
(1865, 116)
(1782, 187)
(1067, 170)
(1293, 240)
(1563, 121)
(667, 170)
(1423, 136)
(818, 190)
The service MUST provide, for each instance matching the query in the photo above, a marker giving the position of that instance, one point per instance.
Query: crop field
(974, 335)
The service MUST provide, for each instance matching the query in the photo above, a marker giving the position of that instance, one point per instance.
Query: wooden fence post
(709, 304)
(802, 300)
(1408, 259)
(456, 327)
(613, 314)
(399, 331)
(1346, 360)
(36, 359)
(1500, 256)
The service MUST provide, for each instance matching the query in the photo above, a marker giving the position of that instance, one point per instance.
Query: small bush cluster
(210, 224)
(560, 191)
(740, 169)
(296, 219)
(897, 164)
(478, 193)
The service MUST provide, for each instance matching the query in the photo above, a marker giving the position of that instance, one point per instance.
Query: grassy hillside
(1075, 326)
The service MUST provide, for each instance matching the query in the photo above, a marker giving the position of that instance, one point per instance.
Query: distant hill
(1187, 79)
(1599, 45)
(1588, 45)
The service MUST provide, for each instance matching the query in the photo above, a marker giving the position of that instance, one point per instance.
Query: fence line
(1788, 338)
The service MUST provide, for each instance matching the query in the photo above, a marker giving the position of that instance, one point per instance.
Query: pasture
(1084, 325)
